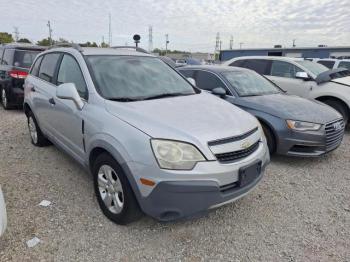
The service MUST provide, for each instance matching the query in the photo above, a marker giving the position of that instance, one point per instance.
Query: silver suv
(154, 143)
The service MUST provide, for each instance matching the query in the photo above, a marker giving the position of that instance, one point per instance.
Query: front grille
(334, 134)
(236, 155)
(232, 139)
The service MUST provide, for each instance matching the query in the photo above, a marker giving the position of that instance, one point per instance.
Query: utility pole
(217, 44)
(166, 43)
(50, 32)
(294, 42)
(231, 42)
(240, 45)
(220, 43)
(16, 32)
(109, 30)
(150, 38)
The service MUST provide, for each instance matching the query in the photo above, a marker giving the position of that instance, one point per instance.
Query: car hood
(343, 80)
(290, 107)
(200, 117)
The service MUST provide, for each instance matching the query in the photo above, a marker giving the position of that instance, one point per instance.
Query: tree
(44, 42)
(5, 38)
(62, 40)
(103, 44)
(24, 40)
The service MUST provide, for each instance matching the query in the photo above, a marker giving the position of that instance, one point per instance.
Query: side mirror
(302, 75)
(219, 91)
(68, 91)
(191, 80)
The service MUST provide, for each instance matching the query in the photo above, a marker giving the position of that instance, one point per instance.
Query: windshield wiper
(166, 95)
(123, 99)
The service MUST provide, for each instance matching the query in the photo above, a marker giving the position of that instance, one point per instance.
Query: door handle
(52, 101)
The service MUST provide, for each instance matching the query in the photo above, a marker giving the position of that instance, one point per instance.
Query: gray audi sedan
(293, 125)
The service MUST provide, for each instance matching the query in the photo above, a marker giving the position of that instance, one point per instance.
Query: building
(304, 52)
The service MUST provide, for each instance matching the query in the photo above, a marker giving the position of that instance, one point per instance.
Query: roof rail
(73, 45)
(138, 49)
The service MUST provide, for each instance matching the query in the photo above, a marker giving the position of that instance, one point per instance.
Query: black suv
(15, 61)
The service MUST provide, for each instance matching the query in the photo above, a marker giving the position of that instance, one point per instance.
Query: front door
(68, 119)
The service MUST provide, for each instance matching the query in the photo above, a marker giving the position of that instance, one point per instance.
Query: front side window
(328, 64)
(284, 69)
(208, 81)
(48, 67)
(250, 83)
(187, 73)
(344, 64)
(24, 58)
(127, 78)
(70, 72)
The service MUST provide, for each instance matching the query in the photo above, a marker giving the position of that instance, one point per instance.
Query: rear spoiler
(332, 74)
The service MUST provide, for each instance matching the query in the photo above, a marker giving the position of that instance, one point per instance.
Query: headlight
(176, 155)
(302, 126)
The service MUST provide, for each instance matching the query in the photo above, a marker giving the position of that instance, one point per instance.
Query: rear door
(283, 74)
(43, 90)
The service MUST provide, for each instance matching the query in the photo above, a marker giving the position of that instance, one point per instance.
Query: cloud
(191, 25)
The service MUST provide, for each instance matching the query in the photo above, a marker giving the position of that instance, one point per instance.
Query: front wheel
(113, 191)
(270, 139)
(340, 108)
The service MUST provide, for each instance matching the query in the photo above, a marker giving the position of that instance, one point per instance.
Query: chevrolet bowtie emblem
(245, 145)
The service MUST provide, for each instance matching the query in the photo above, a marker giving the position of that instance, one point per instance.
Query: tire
(113, 191)
(36, 136)
(4, 99)
(270, 138)
(340, 108)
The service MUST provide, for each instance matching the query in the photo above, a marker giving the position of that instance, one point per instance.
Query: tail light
(18, 74)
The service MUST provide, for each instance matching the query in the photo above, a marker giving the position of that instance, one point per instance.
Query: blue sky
(191, 25)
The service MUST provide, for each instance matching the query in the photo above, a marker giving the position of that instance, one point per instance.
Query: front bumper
(304, 144)
(179, 194)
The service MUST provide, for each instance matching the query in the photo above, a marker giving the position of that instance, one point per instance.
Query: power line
(150, 38)
(50, 32)
(16, 32)
(109, 30)
(166, 43)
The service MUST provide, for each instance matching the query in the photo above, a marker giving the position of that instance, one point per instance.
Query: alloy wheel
(110, 189)
(32, 130)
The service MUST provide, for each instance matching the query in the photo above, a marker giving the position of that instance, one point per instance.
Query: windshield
(24, 58)
(314, 68)
(129, 78)
(250, 83)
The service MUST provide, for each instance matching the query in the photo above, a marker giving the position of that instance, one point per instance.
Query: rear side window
(328, 64)
(24, 58)
(208, 81)
(7, 59)
(238, 63)
(188, 73)
(345, 65)
(284, 69)
(48, 67)
(36, 66)
(258, 65)
(70, 72)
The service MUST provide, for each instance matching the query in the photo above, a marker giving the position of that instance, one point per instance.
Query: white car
(303, 78)
(332, 63)
(3, 218)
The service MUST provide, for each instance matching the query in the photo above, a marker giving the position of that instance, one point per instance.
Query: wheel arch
(334, 98)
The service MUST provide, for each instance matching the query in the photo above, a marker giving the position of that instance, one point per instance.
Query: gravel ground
(300, 212)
